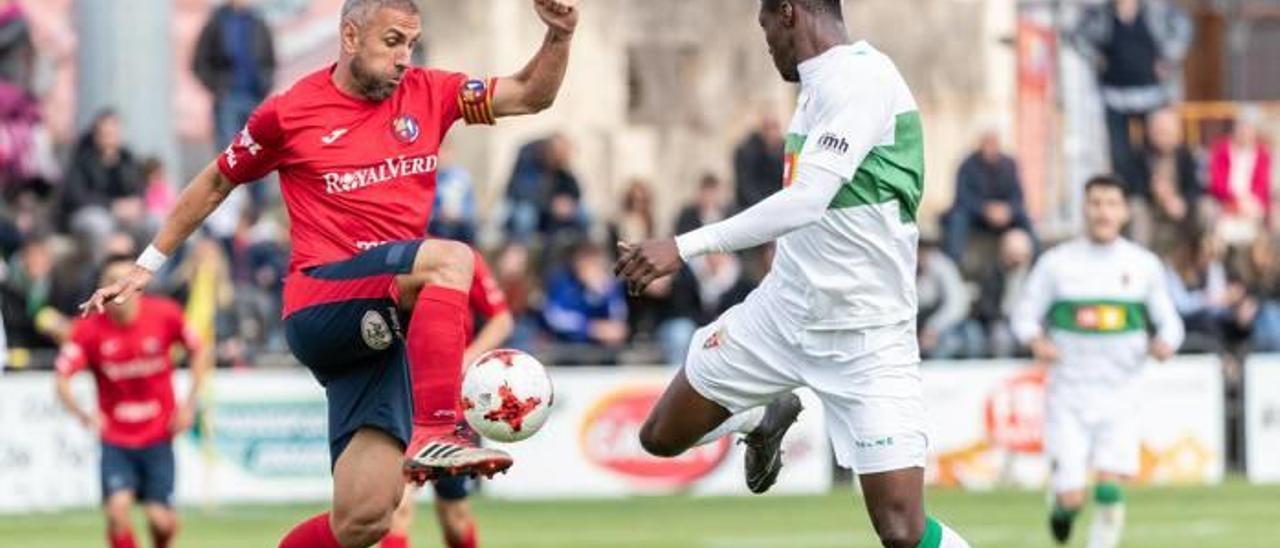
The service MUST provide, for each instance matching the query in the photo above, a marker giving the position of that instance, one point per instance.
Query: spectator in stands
(454, 216)
(36, 302)
(635, 222)
(104, 183)
(999, 290)
(944, 305)
(1136, 47)
(707, 207)
(988, 198)
(517, 280)
(1261, 273)
(703, 290)
(160, 196)
(758, 163)
(1167, 188)
(236, 62)
(585, 303)
(543, 195)
(1217, 311)
(1240, 181)
(17, 53)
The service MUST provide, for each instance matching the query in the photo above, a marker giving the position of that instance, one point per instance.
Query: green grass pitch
(1235, 514)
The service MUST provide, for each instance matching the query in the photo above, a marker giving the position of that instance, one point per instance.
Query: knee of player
(362, 526)
(166, 527)
(444, 262)
(898, 528)
(657, 446)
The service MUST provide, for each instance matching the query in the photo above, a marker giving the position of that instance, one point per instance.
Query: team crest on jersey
(715, 340)
(406, 128)
(376, 332)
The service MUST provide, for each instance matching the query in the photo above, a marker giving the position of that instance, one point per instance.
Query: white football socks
(741, 423)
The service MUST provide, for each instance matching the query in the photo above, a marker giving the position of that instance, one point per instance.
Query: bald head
(359, 11)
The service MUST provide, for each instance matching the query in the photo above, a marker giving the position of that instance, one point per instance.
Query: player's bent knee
(898, 526)
(655, 444)
(362, 526)
(444, 262)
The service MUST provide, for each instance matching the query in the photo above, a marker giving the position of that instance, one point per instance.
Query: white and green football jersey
(856, 267)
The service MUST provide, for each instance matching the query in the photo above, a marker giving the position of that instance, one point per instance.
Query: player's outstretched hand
(559, 15)
(641, 264)
(119, 292)
(1161, 350)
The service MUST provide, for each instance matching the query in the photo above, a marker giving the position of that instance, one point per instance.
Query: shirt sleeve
(458, 96)
(73, 354)
(183, 333)
(1027, 322)
(851, 121)
(487, 298)
(258, 149)
(1164, 314)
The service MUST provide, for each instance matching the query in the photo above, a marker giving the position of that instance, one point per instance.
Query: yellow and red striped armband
(475, 100)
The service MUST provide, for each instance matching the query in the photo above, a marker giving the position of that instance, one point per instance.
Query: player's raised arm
(535, 87)
(205, 193)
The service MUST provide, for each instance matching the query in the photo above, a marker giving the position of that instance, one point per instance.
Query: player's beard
(370, 84)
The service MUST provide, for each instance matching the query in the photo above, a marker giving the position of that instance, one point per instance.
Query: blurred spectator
(17, 53)
(758, 163)
(543, 194)
(258, 265)
(104, 184)
(585, 303)
(1261, 273)
(454, 216)
(1136, 47)
(236, 62)
(1166, 189)
(999, 290)
(1217, 312)
(160, 196)
(988, 198)
(635, 221)
(517, 280)
(707, 287)
(202, 280)
(1240, 181)
(36, 300)
(707, 207)
(944, 305)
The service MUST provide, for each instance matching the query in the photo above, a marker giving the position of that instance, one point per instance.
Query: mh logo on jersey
(406, 128)
(834, 143)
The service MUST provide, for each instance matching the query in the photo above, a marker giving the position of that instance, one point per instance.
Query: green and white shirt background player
(837, 311)
(1087, 309)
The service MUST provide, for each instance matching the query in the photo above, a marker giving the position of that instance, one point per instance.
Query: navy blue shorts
(452, 488)
(147, 472)
(353, 341)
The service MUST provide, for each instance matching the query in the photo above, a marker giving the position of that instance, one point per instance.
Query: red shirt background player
(355, 145)
(128, 349)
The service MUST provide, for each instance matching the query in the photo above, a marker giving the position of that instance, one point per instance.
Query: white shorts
(1077, 441)
(868, 379)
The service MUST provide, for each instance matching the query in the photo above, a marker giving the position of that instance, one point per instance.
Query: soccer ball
(506, 395)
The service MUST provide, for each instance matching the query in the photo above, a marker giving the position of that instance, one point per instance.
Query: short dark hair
(1106, 181)
(829, 7)
(113, 260)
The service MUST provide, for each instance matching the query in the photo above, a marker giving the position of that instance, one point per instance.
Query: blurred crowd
(1204, 207)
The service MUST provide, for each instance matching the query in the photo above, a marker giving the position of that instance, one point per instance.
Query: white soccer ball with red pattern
(506, 395)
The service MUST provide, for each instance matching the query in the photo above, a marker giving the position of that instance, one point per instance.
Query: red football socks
(395, 540)
(313, 533)
(121, 539)
(435, 342)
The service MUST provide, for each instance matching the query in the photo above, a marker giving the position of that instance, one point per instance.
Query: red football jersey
(132, 367)
(486, 297)
(354, 173)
